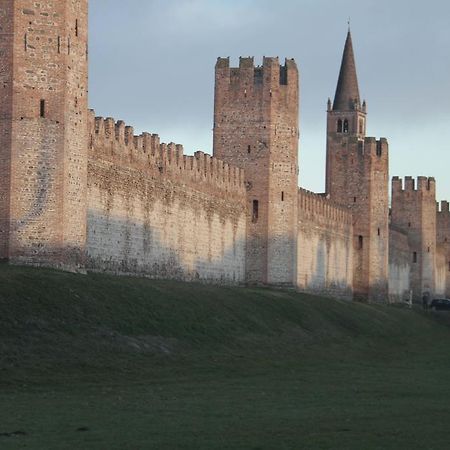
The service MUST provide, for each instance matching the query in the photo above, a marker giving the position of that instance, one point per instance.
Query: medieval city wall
(156, 212)
(443, 239)
(325, 247)
(399, 265)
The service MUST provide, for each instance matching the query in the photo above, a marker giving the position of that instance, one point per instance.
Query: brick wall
(414, 211)
(43, 130)
(154, 211)
(325, 247)
(256, 129)
(399, 265)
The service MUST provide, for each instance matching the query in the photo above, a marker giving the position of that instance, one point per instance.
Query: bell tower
(357, 178)
(43, 131)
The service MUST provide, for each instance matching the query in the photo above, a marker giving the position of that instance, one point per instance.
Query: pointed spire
(347, 91)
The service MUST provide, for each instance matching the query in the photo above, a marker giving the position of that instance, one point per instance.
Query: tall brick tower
(357, 178)
(256, 128)
(414, 210)
(43, 137)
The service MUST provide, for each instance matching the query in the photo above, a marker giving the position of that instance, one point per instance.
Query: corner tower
(256, 129)
(357, 178)
(43, 139)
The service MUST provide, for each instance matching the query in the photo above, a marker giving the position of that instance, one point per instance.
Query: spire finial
(349, 21)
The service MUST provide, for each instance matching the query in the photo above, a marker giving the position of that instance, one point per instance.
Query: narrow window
(361, 126)
(379, 232)
(379, 149)
(339, 126)
(76, 27)
(409, 224)
(59, 44)
(360, 242)
(42, 108)
(249, 149)
(255, 211)
(68, 46)
(282, 196)
(449, 266)
(429, 249)
(354, 199)
(345, 128)
(414, 257)
(25, 42)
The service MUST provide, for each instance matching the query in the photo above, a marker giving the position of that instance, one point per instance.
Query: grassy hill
(99, 362)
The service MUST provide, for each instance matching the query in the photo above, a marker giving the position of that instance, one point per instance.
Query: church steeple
(347, 91)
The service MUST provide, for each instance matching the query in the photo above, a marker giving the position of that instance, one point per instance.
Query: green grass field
(98, 362)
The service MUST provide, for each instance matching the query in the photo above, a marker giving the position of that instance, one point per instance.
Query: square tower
(357, 178)
(43, 123)
(256, 129)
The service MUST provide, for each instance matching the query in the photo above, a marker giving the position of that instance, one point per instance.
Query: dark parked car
(440, 304)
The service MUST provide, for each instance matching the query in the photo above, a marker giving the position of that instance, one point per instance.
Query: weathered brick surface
(325, 247)
(44, 147)
(443, 244)
(256, 129)
(414, 211)
(358, 180)
(156, 212)
(399, 265)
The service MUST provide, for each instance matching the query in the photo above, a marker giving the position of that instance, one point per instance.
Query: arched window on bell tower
(339, 126)
(345, 128)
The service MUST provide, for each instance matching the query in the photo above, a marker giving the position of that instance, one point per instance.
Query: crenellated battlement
(443, 207)
(247, 74)
(316, 205)
(409, 184)
(115, 142)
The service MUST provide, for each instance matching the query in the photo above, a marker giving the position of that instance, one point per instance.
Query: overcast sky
(152, 65)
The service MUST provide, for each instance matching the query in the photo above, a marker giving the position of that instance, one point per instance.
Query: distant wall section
(325, 247)
(155, 212)
(399, 265)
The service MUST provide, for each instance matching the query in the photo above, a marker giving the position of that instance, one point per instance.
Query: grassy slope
(158, 364)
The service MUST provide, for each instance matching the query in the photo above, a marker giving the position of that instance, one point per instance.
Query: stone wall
(399, 265)
(155, 212)
(325, 248)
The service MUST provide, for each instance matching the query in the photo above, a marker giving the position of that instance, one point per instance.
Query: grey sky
(152, 65)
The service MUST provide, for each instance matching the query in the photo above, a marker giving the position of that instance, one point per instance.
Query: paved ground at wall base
(90, 362)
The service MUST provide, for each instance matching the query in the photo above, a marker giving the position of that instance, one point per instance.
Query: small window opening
(379, 149)
(255, 214)
(339, 126)
(449, 266)
(76, 102)
(409, 224)
(25, 42)
(428, 249)
(360, 242)
(76, 27)
(68, 46)
(414, 257)
(282, 196)
(354, 199)
(249, 149)
(345, 127)
(42, 108)
(59, 44)
(379, 232)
